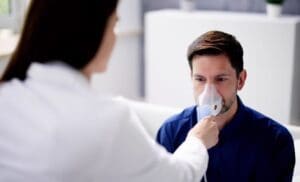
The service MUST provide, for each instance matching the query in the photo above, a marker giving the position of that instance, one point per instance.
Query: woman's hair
(69, 31)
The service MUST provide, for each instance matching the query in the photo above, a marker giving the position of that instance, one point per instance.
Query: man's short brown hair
(217, 43)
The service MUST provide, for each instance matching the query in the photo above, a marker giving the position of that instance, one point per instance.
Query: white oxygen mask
(209, 102)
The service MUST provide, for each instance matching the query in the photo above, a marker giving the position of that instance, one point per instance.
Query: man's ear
(242, 79)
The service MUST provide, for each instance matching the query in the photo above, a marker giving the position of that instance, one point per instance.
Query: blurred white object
(54, 128)
(123, 72)
(273, 10)
(271, 58)
(151, 116)
(8, 42)
(187, 5)
(5, 33)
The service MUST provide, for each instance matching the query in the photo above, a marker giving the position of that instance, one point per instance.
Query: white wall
(123, 76)
(271, 58)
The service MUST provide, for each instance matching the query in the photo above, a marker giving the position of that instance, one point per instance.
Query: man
(252, 147)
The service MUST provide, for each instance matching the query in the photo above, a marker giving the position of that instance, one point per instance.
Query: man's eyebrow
(197, 75)
(219, 75)
(223, 74)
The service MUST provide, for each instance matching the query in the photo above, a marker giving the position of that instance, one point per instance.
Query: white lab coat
(53, 128)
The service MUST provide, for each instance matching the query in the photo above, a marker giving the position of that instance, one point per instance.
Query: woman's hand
(207, 131)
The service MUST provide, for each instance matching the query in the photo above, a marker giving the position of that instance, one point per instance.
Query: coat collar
(57, 73)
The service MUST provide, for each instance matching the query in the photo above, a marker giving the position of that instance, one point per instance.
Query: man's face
(217, 70)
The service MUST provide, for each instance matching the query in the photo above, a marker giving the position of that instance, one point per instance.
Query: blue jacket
(251, 147)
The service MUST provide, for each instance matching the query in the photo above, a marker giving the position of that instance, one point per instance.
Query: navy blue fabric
(251, 147)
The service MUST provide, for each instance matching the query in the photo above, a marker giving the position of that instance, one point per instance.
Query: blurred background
(149, 62)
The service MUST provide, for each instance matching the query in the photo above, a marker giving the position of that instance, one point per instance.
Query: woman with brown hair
(53, 127)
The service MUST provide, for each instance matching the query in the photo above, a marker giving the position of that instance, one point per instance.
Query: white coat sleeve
(135, 157)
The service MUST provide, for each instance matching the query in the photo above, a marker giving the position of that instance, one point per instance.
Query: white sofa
(152, 116)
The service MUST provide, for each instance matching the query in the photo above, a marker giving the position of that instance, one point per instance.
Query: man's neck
(223, 119)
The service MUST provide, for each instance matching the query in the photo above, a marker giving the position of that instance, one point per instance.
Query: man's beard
(226, 106)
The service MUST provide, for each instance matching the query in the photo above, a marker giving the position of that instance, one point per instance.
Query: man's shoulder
(266, 125)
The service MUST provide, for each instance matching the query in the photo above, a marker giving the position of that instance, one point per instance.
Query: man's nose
(210, 83)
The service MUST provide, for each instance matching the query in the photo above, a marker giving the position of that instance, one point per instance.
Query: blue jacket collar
(238, 121)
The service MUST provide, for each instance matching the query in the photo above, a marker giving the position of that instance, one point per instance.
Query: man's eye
(221, 79)
(200, 79)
